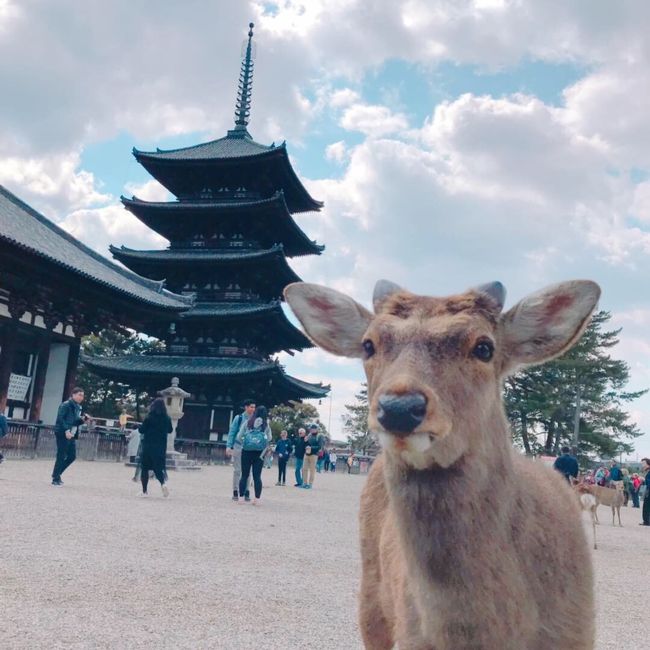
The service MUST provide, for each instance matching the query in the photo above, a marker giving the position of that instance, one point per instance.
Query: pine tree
(355, 423)
(577, 399)
(294, 416)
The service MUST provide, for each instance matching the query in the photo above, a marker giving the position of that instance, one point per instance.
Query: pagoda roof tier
(161, 264)
(188, 171)
(265, 377)
(56, 253)
(267, 221)
(279, 332)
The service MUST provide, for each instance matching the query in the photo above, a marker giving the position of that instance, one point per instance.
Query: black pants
(66, 452)
(646, 509)
(154, 462)
(251, 460)
(282, 469)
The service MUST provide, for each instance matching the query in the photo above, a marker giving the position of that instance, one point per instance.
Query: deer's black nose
(401, 414)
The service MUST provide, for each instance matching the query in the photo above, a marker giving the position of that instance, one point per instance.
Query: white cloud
(373, 120)
(336, 151)
(344, 97)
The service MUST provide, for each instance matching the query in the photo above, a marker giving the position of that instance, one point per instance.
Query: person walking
(645, 466)
(134, 451)
(283, 449)
(255, 437)
(68, 417)
(233, 448)
(326, 464)
(333, 459)
(299, 453)
(567, 465)
(123, 419)
(154, 431)
(635, 486)
(267, 456)
(615, 476)
(312, 448)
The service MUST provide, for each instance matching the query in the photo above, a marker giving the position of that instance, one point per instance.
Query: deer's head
(435, 365)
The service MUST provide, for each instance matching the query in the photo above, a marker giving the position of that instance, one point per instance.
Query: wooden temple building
(230, 232)
(53, 291)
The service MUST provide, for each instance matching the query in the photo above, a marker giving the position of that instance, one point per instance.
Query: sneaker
(284, 484)
(306, 486)
(256, 502)
(278, 483)
(297, 485)
(143, 494)
(165, 491)
(57, 482)
(235, 498)
(247, 498)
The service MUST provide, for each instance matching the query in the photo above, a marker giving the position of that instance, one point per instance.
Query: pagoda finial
(243, 105)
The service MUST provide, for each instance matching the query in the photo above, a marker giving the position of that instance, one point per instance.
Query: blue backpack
(254, 440)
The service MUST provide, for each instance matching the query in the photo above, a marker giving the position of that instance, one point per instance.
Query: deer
(613, 497)
(464, 542)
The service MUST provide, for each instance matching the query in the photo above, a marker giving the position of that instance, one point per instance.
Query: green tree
(577, 399)
(355, 423)
(105, 398)
(293, 416)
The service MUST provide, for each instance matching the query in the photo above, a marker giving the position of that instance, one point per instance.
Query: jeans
(299, 464)
(282, 470)
(310, 470)
(236, 472)
(66, 452)
(635, 498)
(251, 460)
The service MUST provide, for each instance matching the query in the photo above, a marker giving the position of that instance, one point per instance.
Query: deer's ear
(331, 319)
(547, 323)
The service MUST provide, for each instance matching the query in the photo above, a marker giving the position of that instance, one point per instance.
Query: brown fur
(464, 544)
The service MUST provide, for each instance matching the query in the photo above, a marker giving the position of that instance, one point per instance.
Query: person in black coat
(567, 465)
(154, 431)
(66, 432)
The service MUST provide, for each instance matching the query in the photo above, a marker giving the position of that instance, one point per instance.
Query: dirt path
(90, 565)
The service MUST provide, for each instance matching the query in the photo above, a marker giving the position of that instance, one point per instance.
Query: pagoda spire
(243, 105)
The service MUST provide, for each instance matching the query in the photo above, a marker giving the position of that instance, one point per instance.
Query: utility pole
(576, 417)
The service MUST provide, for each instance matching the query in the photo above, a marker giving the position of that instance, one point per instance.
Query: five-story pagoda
(230, 231)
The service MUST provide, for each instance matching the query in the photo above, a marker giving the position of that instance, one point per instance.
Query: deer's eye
(483, 351)
(368, 348)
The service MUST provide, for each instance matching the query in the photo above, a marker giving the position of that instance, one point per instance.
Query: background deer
(613, 497)
(464, 543)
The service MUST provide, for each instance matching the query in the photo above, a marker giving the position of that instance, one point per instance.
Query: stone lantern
(174, 397)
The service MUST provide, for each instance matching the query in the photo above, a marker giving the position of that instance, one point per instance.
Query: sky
(454, 142)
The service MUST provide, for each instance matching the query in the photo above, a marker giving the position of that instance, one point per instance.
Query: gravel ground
(89, 565)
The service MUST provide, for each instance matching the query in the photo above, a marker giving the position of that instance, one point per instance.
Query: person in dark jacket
(299, 453)
(283, 449)
(645, 467)
(566, 464)
(312, 449)
(154, 430)
(3, 431)
(66, 432)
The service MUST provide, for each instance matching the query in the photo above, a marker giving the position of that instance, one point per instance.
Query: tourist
(601, 476)
(68, 417)
(254, 438)
(312, 449)
(3, 431)
(567, 465)
(635, 486)
(645, 467)
(350, 462)
(283, 449)
(299, 453)
(267, 456)
(134, 452)
(233, 448)
(615, 476)
(123, 419)
(326, 461)
(154, 430)
(333, 459)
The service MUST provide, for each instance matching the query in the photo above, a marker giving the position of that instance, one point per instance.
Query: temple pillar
(40, 376)
(71, 370)
(9, 340)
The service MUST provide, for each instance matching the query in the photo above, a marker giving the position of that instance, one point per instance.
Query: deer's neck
(446, 515)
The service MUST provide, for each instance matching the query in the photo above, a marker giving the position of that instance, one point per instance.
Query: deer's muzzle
(401, 414)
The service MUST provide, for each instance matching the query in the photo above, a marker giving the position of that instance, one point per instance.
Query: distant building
(231, 231)
(53, 291)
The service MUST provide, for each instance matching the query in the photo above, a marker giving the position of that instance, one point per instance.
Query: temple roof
(229, 146)
(208, 370)
(28, 230)
(234, 159)
(265, 220)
